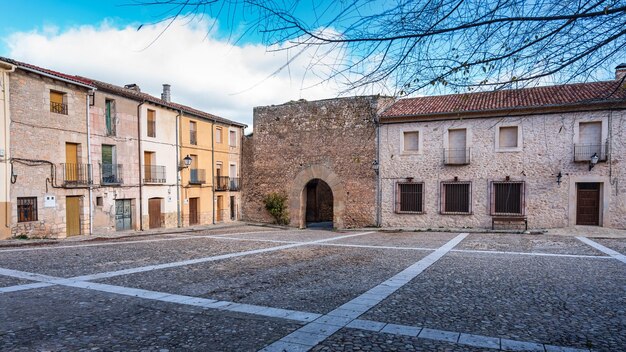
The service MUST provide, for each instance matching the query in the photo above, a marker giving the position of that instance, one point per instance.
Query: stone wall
(547, 149)
(333, 140)
(39, 135)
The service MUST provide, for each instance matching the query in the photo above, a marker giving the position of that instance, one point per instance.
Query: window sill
(470, 213)
(509, 150)
(411, 212)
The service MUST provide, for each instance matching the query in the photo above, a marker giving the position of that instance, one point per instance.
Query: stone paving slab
(6, 281)
(311, 278)
(68, 262)
(293, 235)
(62, 319)
(618, 245)
(570, 302)
(348, 340)
(430, 240)
(527, 243)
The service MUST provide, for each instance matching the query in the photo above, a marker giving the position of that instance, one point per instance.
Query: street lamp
(186, 162)
(593, 161)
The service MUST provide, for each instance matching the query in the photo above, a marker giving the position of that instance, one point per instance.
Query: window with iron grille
(27, 209)
(410, 198)
(507, 198)
(456, 198)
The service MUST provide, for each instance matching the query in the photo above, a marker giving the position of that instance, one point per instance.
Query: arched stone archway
(297, 195)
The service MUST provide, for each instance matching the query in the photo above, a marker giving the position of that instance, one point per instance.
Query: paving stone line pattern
(109, 274)
(598, 246)
(313, 333)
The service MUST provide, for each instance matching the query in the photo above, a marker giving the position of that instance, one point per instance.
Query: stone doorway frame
(297, 195)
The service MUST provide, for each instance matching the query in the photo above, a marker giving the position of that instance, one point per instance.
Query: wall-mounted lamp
(593, 161)
(186, 162)
(375, 166)
(559, 176)
(13, 175)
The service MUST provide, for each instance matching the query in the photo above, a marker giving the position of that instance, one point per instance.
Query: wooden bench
(509, 220)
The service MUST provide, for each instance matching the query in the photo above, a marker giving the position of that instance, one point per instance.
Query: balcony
(222, 183)
(458, 156)
(59, 108)
(76, 175)
(193, 137)
(111, 174)
(584, 152)
(225, 183)
(234, 184)
(197, 176)
(154, 174)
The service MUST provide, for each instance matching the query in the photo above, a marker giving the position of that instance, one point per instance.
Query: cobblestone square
(248, 288)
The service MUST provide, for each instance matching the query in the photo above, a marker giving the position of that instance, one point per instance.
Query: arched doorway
(319, 204)
(298, 195)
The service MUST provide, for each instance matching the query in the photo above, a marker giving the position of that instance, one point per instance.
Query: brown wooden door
(72, 215)
(154, 212)
(219, 216)
(71, 162)
(147, 162)
(588, 204)
(194, 217)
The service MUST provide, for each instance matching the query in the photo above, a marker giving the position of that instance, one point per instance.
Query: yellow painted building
(209, 183)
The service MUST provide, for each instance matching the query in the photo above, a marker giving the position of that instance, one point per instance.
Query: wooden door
(154, 212)
(123, 215)
(72, 215)
(588, 204)
(219, 216)
(194, 216)
(147, 162)
(71, 162)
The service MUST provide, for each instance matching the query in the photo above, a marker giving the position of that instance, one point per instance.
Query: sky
(207, 68)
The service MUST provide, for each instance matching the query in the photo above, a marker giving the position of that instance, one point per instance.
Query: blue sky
(215, 73)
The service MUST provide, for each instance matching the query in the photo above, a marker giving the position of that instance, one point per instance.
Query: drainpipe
(378, 185)
(178, 217)
(7, 133)
(139, 161)
(93, 91)
(213, 169)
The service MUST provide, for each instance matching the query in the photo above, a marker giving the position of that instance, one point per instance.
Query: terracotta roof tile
(48, 71)
(514, 99)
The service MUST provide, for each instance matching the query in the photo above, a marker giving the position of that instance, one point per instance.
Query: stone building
(321, 154)
(554, 156)
(51, 172)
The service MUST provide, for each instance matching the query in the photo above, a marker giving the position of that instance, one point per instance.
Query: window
(410, 141)
(109, 116)
(218, 135)
(507, 198)
(111, 172)
(589, 142)
(456, 197)
(99, 201)
(192, 133)
(151, 123)
(58, 103)
(232, 141)
(27, 209)
(410, 198)
(457, 152)
(508, 138)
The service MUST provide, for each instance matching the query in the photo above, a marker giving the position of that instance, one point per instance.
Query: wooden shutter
(411, 141)
(508, 137)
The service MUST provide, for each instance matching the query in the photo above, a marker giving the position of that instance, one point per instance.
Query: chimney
(166, 93)
(133, 86)
(620, 71)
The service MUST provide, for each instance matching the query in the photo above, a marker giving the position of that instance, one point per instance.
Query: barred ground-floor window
(507, 198)
(456, 198)
(410, 197)
(26, 209)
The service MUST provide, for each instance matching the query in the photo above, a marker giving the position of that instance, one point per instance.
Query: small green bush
(276, 205)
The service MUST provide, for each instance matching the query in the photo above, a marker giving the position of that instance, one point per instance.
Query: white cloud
(206, 73)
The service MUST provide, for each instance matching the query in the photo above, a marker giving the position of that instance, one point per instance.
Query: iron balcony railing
(221, 183)
(111, 174)
(225, 183)
(76, 174)
(193, 137)
(234, 184)
(59, 108)
(584, 152)
(154, 174)
(197, 176)
(456, 156)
